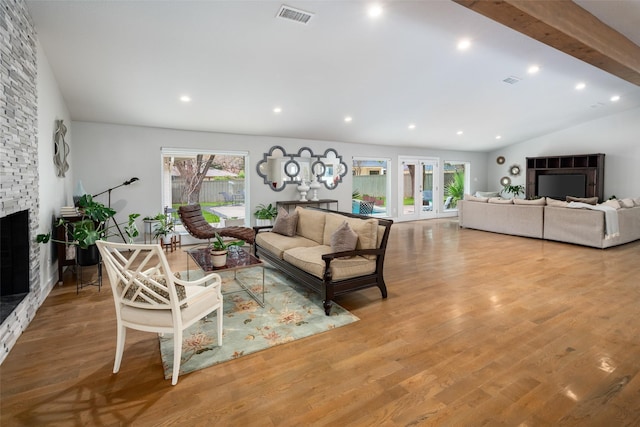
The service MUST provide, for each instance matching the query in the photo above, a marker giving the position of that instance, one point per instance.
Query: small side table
(172, 245)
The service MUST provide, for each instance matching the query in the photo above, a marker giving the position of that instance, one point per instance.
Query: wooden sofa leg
(327, 307)
(383, 289)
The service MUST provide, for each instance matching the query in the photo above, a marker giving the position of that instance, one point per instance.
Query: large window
(370, 192)
(215, 180)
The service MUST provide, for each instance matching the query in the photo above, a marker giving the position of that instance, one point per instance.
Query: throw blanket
(610, 217)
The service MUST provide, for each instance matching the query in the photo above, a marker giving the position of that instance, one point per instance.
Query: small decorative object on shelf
(303, 188)
(314, 186)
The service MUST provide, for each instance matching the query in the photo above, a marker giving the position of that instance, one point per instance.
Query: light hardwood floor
(478, 329)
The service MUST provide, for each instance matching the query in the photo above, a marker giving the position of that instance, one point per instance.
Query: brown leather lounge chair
(194, 222)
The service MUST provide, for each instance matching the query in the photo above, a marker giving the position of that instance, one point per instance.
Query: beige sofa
(308, 257)
(578, 226)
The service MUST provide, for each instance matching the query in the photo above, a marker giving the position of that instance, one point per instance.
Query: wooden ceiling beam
(564, 25)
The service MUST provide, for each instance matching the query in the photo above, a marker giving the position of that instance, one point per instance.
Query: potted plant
(93, 225)
(265, 214)
(220, 249)
(163, 228)
(516, 190)
(455, 189)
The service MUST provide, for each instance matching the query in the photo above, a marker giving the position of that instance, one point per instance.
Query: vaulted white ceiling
(128, 62)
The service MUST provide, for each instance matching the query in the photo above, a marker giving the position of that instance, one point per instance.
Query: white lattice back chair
(149, 297)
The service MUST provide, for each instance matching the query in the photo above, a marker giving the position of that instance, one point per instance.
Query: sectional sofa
(553, 220)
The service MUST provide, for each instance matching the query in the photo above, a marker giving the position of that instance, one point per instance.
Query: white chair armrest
(215, 277)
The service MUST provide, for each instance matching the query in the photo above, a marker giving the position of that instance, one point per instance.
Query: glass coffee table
(237, 259)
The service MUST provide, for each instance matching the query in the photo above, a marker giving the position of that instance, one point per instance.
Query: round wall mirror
(500, 160)
(514, 170)
(505, 180)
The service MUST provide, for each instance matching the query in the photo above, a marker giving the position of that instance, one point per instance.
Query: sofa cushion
(310, 260)
(311, 224)
(538, 202)
(613, 203)
(367, 230)
(277, 243)
(500, 200)
(636, 201)
(344, 239)
(286, 223)
(471, 198)
(588, 200)
(556, 203)
(626, 203)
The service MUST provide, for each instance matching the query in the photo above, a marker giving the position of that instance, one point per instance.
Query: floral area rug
(291, 312)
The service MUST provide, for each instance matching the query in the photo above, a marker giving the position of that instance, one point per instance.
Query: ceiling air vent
(287, 12)
(511, 80)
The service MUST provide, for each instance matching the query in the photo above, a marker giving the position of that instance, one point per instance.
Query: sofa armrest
(259, 228)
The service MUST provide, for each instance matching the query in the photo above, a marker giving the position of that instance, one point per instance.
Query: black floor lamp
(134, 179)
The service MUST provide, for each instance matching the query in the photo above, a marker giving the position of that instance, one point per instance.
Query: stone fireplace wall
(19, 149)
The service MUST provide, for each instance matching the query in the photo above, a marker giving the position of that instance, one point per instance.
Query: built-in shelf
(590, 165)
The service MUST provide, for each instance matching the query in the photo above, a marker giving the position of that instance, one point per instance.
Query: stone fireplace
(19, 154)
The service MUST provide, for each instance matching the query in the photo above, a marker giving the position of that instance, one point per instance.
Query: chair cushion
(161, 280)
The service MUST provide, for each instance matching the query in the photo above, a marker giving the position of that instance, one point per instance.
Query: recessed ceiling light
(348, 119)
(277, 110)
(464, 44)
(498, 136)
(412, 126)
(533, 69)
(615, 98)
(580, 86)
(459, 132)
(375, 11)
(185, 98)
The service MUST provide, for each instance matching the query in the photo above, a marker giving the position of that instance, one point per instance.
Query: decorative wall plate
(500, 160)
(514, 170)
(505, 180)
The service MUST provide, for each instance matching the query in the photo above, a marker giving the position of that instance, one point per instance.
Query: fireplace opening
(14, 261)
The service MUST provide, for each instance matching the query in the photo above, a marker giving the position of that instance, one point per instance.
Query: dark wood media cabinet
(590, 165)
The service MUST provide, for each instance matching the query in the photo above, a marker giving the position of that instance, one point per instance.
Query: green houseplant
(455, 189)
(220, 249)
(163, 229)
(516, 190)
(265, 214)
(93, 225)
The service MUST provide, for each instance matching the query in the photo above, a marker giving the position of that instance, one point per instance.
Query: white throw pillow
(470, 198)
(613, 203)
(626, 203)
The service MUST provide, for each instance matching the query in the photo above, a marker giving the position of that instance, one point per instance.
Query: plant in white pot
(265, 214)
(164, 228)
(220, 249)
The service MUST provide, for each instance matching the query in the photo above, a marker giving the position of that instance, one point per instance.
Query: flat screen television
(562, 185)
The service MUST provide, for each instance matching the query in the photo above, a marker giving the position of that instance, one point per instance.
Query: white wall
(107, 155)
(54, 191)
(617, 136)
